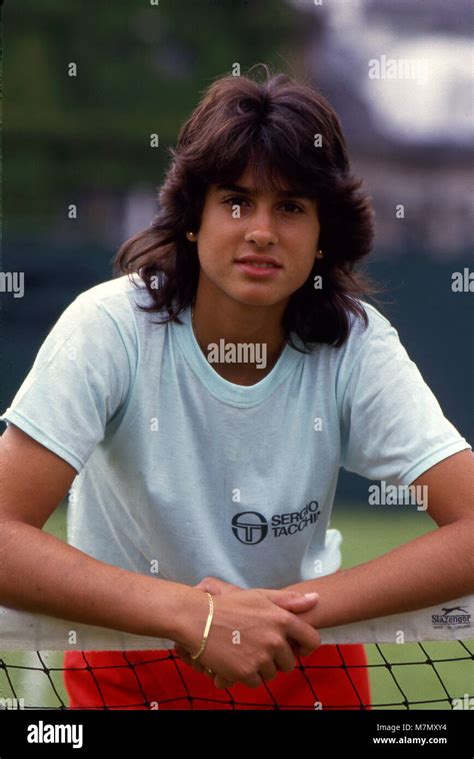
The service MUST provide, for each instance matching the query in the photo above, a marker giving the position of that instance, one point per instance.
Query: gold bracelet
(206, 630)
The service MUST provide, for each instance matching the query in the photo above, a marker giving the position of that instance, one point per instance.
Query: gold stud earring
(191, 235)
(320, 254)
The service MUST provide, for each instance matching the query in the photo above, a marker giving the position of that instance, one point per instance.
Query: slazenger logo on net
(452, 617)
(251, 527)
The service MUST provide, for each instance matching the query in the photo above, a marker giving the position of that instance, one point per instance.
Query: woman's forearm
(40, 573)
(431, 569)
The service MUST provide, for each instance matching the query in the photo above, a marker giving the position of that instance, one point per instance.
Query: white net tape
(20, 630)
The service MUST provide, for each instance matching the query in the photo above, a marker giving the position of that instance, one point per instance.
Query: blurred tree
(140, 70)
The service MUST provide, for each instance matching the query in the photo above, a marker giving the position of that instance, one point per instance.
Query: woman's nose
(262, 231)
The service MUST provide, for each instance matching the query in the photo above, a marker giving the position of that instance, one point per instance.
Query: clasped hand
(290, 600)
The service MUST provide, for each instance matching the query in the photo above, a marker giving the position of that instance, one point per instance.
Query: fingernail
(312, 596)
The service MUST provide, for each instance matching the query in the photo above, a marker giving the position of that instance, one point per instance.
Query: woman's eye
(237, 201)
(234, 201)
(293, 205)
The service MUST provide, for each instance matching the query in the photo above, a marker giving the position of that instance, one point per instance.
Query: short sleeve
(79, 380)
(392, 425)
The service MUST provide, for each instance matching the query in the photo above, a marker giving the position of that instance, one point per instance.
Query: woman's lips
(260, 272)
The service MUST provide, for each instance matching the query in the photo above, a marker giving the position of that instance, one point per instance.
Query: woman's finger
(269, 671)
(221, 682)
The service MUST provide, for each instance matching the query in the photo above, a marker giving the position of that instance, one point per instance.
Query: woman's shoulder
(375, 317)
(368, 325)
(121, 300)
(113, 293)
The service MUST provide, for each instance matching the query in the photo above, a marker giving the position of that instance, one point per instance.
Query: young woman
(206, 403)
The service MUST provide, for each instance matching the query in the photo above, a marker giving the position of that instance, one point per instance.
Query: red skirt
(332, 677)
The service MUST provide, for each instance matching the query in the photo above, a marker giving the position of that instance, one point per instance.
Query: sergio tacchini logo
(249, 527)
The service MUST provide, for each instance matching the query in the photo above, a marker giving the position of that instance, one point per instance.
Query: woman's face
(236, 223)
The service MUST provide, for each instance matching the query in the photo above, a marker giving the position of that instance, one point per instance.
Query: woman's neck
(242, 346)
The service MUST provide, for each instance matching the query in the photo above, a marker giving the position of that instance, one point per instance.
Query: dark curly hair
(285, 131)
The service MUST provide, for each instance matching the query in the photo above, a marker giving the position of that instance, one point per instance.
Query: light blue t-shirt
(182, 474)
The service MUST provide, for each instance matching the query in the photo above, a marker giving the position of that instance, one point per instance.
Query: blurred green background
(141, 69)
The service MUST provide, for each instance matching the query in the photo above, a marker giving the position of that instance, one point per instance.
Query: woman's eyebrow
(293, 193)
